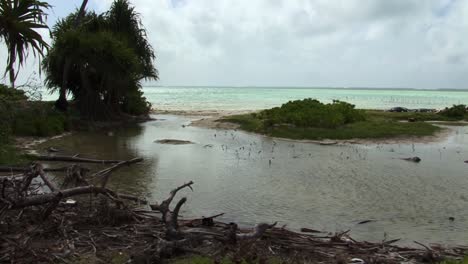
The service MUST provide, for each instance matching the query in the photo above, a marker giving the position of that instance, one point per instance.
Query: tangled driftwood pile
(83, 220)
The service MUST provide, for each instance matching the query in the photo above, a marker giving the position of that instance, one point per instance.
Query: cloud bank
(339, 43)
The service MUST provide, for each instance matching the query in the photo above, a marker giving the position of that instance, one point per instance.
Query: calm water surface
(329, 188)
(255, 98)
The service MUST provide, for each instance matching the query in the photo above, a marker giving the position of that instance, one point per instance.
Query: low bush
(10, 94)
(38, 119)
(456, 111)
(312, 113)
(135, 103)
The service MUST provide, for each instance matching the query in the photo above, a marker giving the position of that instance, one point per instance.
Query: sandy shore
(208, 118)
(207, 113)
(29, 144)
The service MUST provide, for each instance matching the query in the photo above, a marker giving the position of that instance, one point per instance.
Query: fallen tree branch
(38, 169)
(105, 173)
(72, 159)
(49, 197)
(11, 169)
(164, 206)
(257, 232)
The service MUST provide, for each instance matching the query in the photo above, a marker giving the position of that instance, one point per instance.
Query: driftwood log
(72, 159)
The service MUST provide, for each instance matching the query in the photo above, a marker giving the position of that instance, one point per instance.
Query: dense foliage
(312, 113)
(21, 117)
(19, 20)
(456, 111)
(8, 94)
(110, 55)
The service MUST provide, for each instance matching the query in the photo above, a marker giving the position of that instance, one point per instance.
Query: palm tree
(62, 103)
(106, 56)
(19, 20)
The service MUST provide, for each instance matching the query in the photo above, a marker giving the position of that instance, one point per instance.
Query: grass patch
(452, 261)
(338, 120)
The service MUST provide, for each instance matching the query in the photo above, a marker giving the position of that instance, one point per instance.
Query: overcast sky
(339, 43)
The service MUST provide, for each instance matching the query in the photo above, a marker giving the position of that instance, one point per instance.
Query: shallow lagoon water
(329, 188)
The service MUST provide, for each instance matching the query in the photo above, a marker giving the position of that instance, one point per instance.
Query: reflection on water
(330, 188)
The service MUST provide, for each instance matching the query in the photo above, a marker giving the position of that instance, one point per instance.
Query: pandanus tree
(19, 22)
(108, 55)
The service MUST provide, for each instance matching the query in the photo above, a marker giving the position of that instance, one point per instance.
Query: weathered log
(172, 226)
(12, 169)
(257, 232)
(49, 197)
(164, 206)
(48, 210)
(72, 159)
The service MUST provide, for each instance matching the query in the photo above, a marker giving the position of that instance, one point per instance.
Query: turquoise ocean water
(255, 98)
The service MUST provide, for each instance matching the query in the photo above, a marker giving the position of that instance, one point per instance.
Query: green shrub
(5, 122)
(456, 111)
(312, 113)
(38, 119)
(135, 103)
(10, 94)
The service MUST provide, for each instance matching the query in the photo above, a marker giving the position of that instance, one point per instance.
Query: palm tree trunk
(12, 78)
(62, 103)
(12, 69)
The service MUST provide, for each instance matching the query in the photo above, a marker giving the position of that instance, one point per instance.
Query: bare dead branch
(105, 173)
(164, 206)
(38, 169)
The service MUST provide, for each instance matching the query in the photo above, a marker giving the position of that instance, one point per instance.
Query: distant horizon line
(310, 87)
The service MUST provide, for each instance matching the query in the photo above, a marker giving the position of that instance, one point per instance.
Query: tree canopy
(109, 55)
(19, 22)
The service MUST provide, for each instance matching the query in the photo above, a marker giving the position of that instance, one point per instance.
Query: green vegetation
(21, 117)
(312, 113)
(109, 55)
(457, 112)
(8, 94)
(450, 261)
(454, 113)
(19, 20)
(310, 119)
(38, 119)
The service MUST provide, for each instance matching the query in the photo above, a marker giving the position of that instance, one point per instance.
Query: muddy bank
(29, 144)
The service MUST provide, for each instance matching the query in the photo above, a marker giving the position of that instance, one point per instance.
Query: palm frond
(19, 20)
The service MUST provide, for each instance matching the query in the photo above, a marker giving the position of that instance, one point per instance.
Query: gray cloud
(380, 43)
